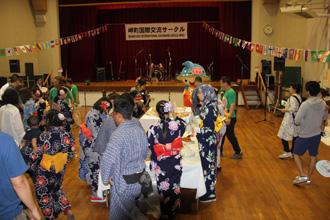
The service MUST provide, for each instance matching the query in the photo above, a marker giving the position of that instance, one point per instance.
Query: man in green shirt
(74, 91)
(59, 82)
(231, 98)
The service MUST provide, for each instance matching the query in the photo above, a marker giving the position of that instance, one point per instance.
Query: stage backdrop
(81, 59)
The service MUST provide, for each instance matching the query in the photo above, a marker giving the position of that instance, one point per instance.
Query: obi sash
(143, 179)
(57, 161)
(86, 131)
(176, 147)
(187, 98)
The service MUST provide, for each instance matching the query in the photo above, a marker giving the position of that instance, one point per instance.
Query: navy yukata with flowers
(89, 158)
(207, 139)
(168, 169)
(48, 184)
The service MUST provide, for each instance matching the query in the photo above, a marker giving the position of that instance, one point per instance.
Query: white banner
(156, 31)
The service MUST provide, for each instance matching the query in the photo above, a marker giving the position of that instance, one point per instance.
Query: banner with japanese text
(157, 31)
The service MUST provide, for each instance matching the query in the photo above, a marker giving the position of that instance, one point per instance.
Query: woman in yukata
(207, 111)
(62, 106)
(40, 108)
(55, 149)
(165, 143)
(89, 157)
(29, 105)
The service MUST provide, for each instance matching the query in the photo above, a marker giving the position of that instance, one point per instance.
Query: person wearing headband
(165, 143)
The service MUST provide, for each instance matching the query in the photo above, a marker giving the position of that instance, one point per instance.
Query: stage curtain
(78, 59)
(81, 58)
(234, 19)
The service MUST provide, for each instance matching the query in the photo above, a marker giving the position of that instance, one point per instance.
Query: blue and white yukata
(125, 155)
(207, 138)
(89, 158)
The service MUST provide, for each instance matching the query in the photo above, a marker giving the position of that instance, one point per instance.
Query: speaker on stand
(279, 67)
(29, 74)
(266, 74)
(14, 66)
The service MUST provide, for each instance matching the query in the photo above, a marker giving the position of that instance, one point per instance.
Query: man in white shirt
(10, 118)
(14, 81)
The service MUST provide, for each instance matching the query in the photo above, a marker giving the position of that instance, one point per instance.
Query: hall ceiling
(98, 2)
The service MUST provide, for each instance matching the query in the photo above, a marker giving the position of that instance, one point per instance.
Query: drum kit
(155, 72)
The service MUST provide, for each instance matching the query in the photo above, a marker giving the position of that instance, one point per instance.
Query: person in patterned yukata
(207, 111)
(55, 148)
(89, 157)
(165, 143)
(40, 107)
(61, 105)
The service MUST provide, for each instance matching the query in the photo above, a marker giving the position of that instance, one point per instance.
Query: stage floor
(122, 86)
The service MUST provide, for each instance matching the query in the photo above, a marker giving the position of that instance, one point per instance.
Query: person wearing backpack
(288, 130)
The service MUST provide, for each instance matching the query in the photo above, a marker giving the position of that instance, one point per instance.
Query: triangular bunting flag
(291, 54)
(314, 56)
(259, 48)
(2, 52)
(16, 50)
(23, 49)
(9, 51)
(297, 55)
(28, 48)
(52, 44)
(306, 55)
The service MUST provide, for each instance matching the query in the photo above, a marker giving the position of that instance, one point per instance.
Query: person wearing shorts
(310, 118)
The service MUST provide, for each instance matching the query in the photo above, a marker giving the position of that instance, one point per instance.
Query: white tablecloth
(151, 117)
(326, 138)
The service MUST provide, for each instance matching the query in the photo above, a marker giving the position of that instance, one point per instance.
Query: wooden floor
(257, 187)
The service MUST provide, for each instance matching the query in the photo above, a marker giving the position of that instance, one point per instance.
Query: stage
(125, 86)
(164, 90)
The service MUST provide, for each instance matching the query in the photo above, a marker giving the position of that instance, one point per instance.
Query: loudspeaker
(14, 66)
(266, 67)
(29, 70)
(100, 74)
(292, 74)
(279, 64)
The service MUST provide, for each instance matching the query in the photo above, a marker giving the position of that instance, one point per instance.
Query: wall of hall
(18, 28)
(289, 31)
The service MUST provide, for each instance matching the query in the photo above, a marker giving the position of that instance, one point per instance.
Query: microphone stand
(169, 72)
(266, 102)
(135, 61)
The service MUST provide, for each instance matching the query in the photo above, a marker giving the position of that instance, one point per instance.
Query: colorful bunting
(287, 53)
(25, 49)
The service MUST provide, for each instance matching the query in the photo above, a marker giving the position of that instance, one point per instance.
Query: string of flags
(29, 48)
(287, 53)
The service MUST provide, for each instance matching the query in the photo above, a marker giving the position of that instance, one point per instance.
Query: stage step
(252, 97)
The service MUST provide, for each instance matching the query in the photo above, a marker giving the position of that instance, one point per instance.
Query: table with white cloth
(192, 172)
(151, 116)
